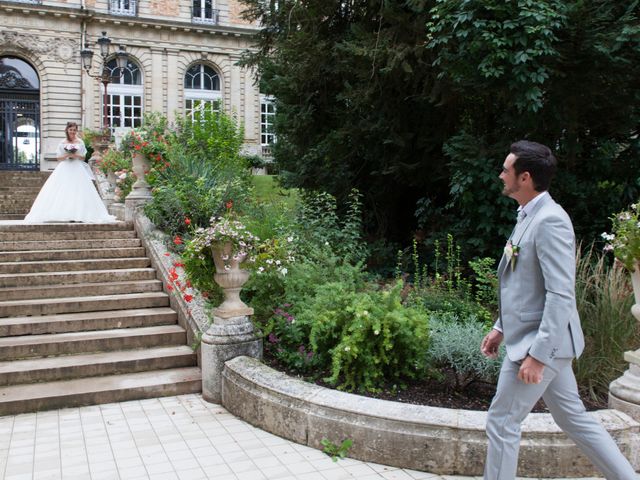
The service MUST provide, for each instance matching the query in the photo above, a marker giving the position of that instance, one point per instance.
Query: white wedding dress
(69, 195)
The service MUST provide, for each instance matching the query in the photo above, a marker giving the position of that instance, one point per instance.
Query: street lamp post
(122, 57)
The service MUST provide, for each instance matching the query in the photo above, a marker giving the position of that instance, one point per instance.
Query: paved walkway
(183, 438)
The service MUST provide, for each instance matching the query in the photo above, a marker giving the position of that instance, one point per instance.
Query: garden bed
(438, 392)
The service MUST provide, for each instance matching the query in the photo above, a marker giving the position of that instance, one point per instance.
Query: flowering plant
(511, 251)
(124, 182)
(113, 161)
(226, 231)
(624, 239)
(152, 144)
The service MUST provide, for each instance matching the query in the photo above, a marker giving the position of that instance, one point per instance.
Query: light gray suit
(538, 317)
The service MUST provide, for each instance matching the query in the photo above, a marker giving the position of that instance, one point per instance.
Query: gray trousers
(513, 402)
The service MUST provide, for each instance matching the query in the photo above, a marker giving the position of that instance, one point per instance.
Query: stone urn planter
(140, 167)
(231, 278)
(624, 392)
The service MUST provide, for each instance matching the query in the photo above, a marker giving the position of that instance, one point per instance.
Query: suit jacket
(536, 300)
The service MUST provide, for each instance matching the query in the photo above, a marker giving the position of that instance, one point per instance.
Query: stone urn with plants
(624, 242)
(232, 334)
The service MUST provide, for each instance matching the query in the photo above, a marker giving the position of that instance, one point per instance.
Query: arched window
(201, 90)
(124, 103)
(19, 115)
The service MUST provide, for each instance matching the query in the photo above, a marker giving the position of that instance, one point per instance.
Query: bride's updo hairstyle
(66, 129)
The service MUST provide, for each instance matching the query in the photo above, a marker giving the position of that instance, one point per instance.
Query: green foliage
(455, 345)
(214, 138)
(415, 103)
(625, 236)
(368, 338)
(335, 451)
(113, 161)
(201, 171)
(604, 298)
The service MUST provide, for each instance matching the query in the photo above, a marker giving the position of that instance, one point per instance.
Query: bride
(69, 195)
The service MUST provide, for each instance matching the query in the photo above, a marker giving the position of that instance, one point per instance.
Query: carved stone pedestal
(140, 191)
(624, 392)
(226, 339)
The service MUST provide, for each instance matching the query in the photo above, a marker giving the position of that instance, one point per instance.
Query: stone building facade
(182, 57)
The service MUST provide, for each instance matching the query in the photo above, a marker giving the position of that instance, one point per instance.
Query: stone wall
(438, 440)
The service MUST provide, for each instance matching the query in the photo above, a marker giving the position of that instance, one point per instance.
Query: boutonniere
(511, 251)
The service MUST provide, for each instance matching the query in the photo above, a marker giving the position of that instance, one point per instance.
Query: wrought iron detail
(19, 131)
(14, 80)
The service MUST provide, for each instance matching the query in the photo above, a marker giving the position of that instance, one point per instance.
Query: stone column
(231, 334)
(624, 392)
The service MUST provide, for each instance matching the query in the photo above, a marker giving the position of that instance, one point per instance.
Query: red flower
(170, 287)
(167, 254)
(137, 147)
(188, 298)
(229, 204)
(178, 264)
(177, 240)
(187, 221)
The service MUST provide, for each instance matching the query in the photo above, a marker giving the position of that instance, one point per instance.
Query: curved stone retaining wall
(439, 440)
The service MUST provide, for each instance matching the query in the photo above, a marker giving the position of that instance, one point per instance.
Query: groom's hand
(531, 370)
(491, 343)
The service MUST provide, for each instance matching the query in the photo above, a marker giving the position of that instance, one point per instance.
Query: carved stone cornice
(64, 50)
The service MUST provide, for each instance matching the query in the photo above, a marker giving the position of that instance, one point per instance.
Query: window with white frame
(201, 91)
(124, 104)
(267, 115)
(123, 7)
(205, 11)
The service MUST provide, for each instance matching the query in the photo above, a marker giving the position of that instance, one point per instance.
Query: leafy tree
(416, 102)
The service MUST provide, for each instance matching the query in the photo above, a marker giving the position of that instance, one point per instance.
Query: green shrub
(368, 338)
(455, 345)
(604, 298)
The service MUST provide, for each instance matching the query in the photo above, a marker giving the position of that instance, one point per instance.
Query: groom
(539, 324)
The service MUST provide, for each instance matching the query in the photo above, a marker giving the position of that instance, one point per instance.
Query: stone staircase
(83, 320)
(18, 190)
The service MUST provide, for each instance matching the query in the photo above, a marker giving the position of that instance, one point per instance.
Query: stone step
(87, 276)
(50, 369)
(77, 254)
(66, 227)
(47, 236)
(17, 189)
(79, 289)
(74, 265)
(30, 346)
(50, 306)
(12, 216)
(86, 321)
(97, 390)
(69, 244)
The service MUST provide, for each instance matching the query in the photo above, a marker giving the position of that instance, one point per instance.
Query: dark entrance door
(19, 115)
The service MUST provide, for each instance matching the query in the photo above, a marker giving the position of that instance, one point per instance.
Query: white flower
(376, 332)
(278, 262)
(283, 271)
(260, 269)
(346, 349)
(269, 261)
(326, 243)
(365, 313)
(508, 251)
(607, 236)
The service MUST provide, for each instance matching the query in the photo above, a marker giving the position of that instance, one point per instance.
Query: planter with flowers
(230, 244)
(148, 149)
(624, 242)
(232, 333)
